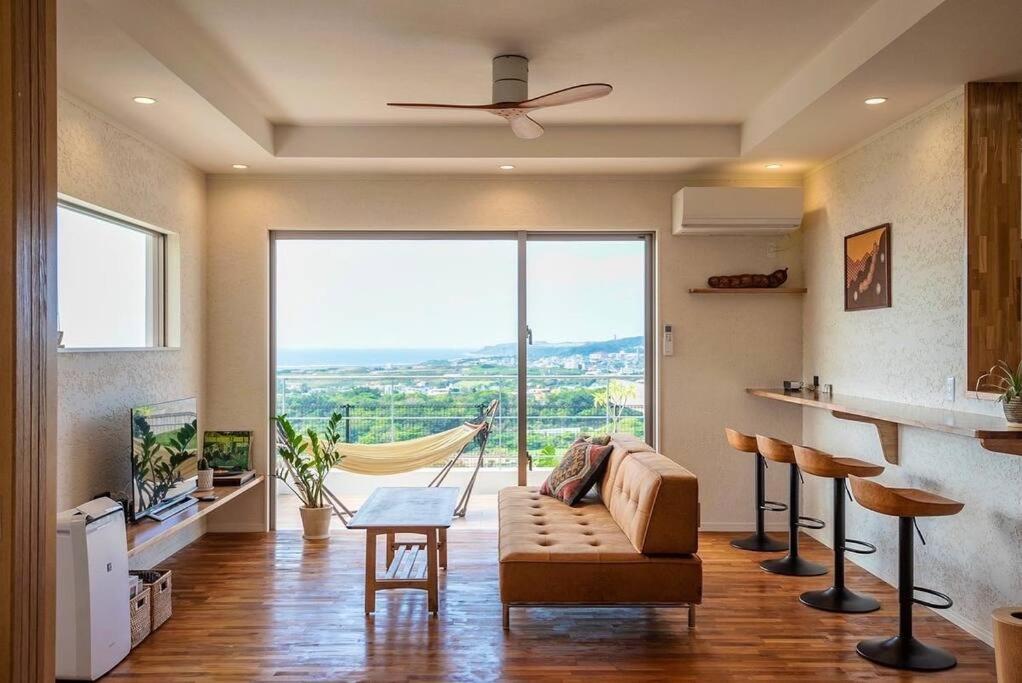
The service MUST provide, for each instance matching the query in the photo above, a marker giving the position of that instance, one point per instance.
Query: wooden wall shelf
(146, 533)
(994, 433)
(748, 290)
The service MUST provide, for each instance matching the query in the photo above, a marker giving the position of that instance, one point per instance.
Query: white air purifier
(93, 623)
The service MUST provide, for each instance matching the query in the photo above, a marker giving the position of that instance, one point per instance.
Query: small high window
(111, 281)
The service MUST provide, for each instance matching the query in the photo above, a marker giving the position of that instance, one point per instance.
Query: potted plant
(204, 481)
(1008, 384)
(305, 461)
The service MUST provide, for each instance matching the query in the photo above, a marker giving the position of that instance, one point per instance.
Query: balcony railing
(380, 408)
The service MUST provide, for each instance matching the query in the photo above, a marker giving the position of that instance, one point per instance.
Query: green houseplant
(1008, 384)
(305, 461)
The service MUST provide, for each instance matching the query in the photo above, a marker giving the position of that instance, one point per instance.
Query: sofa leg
(691, 616)
(507, 616)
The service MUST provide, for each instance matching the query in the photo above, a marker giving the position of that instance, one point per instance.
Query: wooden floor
(270, 607)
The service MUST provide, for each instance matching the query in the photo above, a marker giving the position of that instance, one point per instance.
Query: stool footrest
(810, 522)
(773, 506)
(863, 549)
(948, 602)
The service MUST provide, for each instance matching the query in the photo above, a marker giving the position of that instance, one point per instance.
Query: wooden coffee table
(395, 510)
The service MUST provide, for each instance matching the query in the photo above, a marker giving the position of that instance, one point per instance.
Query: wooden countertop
(994, 432)
(145, 533)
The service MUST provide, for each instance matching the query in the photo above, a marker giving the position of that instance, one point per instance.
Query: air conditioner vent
(737, 210)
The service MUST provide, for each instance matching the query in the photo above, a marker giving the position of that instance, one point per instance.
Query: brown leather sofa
(634, 543)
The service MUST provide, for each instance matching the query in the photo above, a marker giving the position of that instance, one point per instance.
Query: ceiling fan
(511, 96)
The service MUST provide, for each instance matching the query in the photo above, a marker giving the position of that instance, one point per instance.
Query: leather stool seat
(822, 464)
(902, 502)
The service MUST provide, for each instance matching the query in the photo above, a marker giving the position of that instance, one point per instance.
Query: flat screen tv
(163, 455)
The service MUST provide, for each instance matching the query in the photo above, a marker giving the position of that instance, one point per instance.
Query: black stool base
(760, 543)
(839, 600)
(900, 653)
(793, 566)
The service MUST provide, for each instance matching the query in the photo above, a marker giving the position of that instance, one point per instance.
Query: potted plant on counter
(204, 480)
(305, 461)
(1008, 384)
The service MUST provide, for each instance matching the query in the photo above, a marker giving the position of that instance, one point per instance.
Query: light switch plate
(949, 389)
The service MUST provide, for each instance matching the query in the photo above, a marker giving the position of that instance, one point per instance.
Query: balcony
(385, 406)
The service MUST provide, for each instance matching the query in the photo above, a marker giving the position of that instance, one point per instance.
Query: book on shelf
(232, 478)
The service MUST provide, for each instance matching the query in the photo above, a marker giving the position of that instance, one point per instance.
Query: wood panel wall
(993, 151)
(28, 196)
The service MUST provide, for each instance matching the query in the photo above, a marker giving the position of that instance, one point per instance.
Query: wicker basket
(159, 585)
(141, 616)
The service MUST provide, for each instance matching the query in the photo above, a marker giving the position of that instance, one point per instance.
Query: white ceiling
(700, 86)
(322, 61)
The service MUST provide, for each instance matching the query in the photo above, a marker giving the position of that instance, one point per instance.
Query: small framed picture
(868, 269)
(227, 451)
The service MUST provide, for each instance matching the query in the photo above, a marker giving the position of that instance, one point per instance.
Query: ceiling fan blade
(422, 105)
(576, 93)
(524, 127)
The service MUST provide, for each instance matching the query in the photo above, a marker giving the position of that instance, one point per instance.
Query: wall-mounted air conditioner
(737, 210)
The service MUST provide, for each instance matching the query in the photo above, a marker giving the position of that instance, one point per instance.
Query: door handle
(528, 335)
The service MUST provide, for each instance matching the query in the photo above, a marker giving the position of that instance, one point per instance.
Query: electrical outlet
(949, 389)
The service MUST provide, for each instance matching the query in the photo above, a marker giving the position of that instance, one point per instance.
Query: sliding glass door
(409, 334)
(588, 316)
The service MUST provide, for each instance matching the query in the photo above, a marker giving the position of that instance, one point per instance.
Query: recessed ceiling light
(144, 100)
(773, 166)
(240, 167)
(507, 167)
(875, 100)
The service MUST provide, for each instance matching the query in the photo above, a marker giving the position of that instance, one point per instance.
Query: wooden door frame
(28, 203)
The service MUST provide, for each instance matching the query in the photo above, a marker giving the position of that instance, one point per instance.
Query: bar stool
(838, 598)
(903, 651)
(791, 564)
(758, 541)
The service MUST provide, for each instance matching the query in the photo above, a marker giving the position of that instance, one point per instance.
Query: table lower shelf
(408, 564)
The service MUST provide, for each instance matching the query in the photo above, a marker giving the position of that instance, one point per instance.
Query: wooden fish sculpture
(749, 280)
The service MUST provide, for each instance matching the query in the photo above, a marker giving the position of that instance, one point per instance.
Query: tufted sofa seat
(633, 543)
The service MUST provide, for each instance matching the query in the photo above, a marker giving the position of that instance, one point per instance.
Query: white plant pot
(204, 480)
(316, 522)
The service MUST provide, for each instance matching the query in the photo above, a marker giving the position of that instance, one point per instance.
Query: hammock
(405, 456)
(398, 457)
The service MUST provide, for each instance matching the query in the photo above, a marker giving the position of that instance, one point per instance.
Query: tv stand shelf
(994, 433)
(149, 532)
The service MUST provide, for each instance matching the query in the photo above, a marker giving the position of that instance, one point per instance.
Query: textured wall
(103, 164)
(913, 178)
(723, 344)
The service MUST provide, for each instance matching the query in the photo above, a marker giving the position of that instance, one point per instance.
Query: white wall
(912, 177)
(104, 164)
(723, 343)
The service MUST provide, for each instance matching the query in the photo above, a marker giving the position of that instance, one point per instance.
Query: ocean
(304, 358)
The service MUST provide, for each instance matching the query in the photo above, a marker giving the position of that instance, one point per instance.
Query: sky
(363, 294)
(101, 282)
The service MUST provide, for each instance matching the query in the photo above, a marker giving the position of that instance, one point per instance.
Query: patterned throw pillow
(577, 472)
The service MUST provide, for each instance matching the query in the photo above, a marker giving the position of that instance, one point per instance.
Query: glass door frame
(522, 237)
